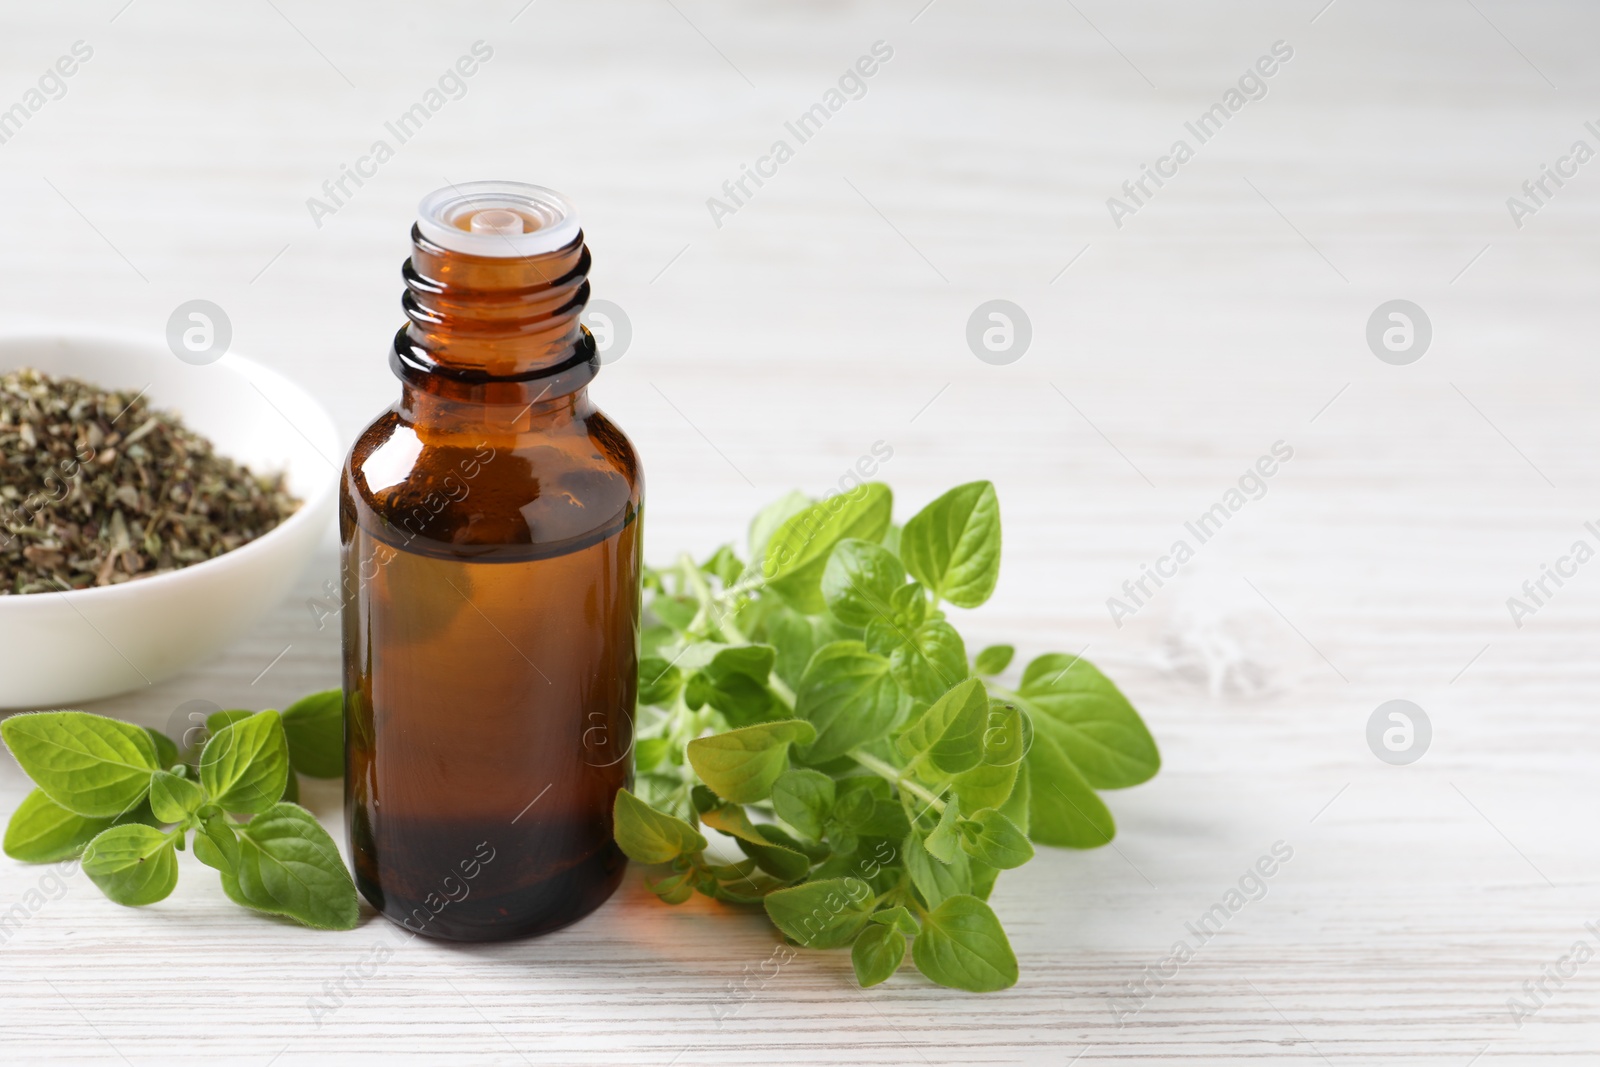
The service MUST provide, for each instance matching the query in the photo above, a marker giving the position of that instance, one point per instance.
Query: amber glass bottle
(490, 532)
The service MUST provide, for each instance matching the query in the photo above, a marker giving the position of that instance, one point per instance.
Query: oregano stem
(888, 770)
(714, 612)
(748, 584)
(692, 577)
(780, 687)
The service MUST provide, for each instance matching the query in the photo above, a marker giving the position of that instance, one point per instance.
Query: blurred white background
(829, 313)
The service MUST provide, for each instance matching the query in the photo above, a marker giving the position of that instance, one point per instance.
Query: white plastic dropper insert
(499, 220)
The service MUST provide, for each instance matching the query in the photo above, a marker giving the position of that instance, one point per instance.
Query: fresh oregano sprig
(127, 800)
(819, 708)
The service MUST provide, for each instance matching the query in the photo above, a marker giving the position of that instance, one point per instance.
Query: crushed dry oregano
(97, 489)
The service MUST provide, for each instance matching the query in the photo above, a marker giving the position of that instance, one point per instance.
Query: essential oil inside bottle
(490, 532)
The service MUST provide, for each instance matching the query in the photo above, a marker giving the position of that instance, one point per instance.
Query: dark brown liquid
(491, 638)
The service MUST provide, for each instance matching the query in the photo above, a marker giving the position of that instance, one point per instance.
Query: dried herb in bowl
(96, 488)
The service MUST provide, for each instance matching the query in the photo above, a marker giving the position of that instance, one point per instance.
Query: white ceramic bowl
(59, 649)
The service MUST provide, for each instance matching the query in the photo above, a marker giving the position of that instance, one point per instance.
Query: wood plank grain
(829, 314)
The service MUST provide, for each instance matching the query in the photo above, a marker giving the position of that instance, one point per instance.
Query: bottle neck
(493, 343)
(494, 410)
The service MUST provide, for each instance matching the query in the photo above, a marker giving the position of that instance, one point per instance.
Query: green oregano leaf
(795, 639)
(858, 581)
(659, 681)
(1007, 734)
(728, 872)
(216, 844)
(167, 754)
(932, 661)
(953, 544)
(770, 518)
(985, 786)
(935, 880)
(650, 836)
(674, 889)
(962, 945)
(313, 726)
(88, 764)
(747, 661)
(245, 765)
(1079, 708)
(676, 612)
(697, 691)
(848, 694)
(804, 799)
(218, 721)
(908, 609)
(132, 864)
(983, 879)
(944, 841)
(778, 857)
(724, 565)
(703, 799)
(989, 837)
(899, 918)
(752, 890)
(741, 765)
(648, 752)
(1063, 809)
(732, 820)
(949, 735)
(288, 866)
(1016, 806)
(877, 953)
(994, 659)
(42, 831)
(857, 799)
(797, 553)
(173, 799)
(825, 914)
(888, 819)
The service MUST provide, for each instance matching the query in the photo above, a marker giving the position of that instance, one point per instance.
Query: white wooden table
(828, 313)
